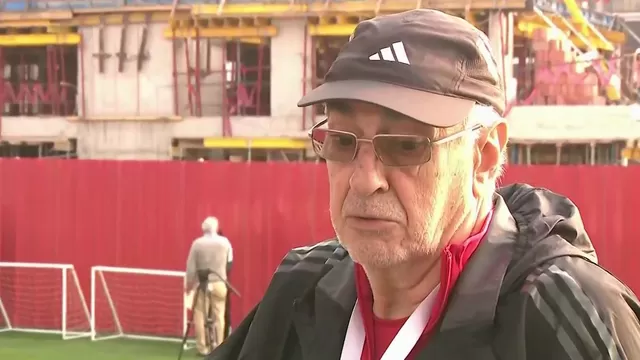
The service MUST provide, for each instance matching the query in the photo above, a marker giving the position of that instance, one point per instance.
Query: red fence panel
(145, 214)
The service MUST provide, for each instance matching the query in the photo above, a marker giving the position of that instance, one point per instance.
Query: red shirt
(381, 331)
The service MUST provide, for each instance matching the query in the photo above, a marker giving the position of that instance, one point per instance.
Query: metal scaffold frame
(197, 37)
(198, 28)
(36, 82)
(314, 8)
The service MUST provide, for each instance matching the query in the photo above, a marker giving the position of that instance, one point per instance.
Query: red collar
(454, 258)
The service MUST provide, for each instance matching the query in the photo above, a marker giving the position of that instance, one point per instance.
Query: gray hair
(487, 117)
(210, 225)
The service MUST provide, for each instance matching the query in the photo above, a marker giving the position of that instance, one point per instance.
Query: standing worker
(210, 252)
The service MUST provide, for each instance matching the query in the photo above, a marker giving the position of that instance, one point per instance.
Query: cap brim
(433, 109)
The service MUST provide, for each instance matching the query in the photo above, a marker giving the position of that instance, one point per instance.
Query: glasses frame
(431, 143)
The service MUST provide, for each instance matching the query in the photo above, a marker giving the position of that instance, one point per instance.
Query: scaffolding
(221, 67)
(221, 52)
(39, 77)
(583, 153)
(39, 80)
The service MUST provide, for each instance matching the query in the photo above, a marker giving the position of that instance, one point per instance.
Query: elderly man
(430, 262)
(209, 254)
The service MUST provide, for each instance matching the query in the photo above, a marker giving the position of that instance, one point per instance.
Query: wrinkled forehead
(367, 119)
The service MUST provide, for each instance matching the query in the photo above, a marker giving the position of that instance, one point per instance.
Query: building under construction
(163, 79)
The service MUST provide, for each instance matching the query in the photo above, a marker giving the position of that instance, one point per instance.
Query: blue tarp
(26, 5)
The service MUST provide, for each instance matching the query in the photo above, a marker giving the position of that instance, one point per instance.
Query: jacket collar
(322, 314)
(471, 311)
(475, 296)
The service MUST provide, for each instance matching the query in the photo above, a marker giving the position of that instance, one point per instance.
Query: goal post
(42, 298)
(145, 304)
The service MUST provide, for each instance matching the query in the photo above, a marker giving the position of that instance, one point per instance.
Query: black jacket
(531, 291)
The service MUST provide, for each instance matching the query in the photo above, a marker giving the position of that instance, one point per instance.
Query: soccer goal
(42, 298)
(137, 303)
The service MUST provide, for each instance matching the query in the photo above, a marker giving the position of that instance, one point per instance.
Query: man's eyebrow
(394, 115)
(337, 106)
(344, 108)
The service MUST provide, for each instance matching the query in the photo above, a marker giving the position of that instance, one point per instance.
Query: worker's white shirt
(230, 257)
(207, 252)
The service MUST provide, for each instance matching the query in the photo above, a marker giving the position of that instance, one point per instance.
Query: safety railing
(623, 6)
(40, 5)
(601, 19)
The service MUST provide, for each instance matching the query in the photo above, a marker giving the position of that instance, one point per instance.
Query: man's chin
(375, 254)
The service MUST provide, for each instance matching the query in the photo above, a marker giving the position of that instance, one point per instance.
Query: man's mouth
(369, 223)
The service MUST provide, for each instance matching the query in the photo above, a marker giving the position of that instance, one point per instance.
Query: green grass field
(21, 346)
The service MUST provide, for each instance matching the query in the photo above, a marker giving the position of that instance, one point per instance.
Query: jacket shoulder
(300, 269)
(266, 329)
(312, 259)
(588, 310)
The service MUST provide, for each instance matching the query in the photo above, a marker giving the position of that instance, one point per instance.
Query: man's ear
(491, 145)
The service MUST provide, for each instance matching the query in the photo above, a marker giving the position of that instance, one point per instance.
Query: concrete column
(211, 84)
(501, 40)
(288, 71)
(148, 92)
(127, 95)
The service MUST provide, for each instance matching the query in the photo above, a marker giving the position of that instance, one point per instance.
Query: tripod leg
(184, 341)
(205, 312)
(210, 339)
(189, 323)
(211, 331)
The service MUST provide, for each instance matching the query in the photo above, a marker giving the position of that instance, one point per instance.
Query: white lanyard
(402, 343)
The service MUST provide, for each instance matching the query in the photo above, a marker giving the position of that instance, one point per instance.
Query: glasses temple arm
(457, 134)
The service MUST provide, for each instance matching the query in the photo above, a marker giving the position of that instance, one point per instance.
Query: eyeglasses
(390, 149)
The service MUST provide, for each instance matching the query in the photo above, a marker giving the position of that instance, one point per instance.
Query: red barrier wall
(145, 214)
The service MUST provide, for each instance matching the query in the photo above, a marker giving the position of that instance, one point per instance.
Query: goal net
(137, 303)
(42, 298)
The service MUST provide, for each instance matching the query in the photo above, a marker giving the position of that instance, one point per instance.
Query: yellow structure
(586, 28)
(256, 143)
(14, 40)
(225, 20)
(581, 33)
(528, 22)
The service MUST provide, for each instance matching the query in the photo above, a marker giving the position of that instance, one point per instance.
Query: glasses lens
(402, 150)
(334, 145)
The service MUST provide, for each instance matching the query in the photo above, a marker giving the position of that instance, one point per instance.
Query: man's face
(388, 215)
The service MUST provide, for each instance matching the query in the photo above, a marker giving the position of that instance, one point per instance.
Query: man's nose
(368, 174)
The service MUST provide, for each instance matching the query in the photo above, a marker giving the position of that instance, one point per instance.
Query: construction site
(169, 79)
(201, 96)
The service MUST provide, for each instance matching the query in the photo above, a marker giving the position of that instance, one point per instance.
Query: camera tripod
(203, 290)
